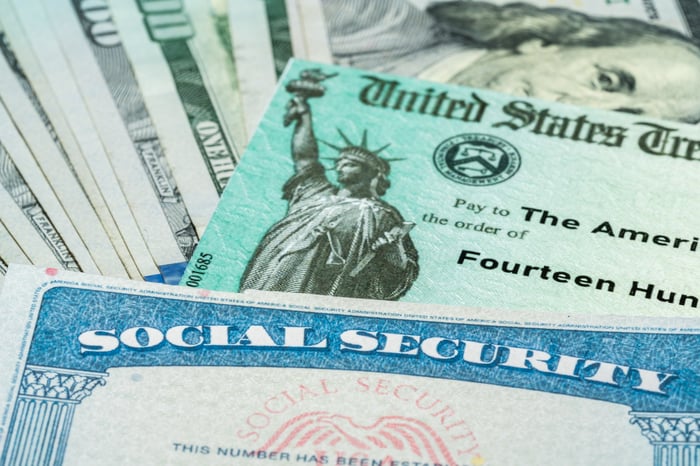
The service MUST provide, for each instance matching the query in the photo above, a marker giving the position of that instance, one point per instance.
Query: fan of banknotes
(121, 128)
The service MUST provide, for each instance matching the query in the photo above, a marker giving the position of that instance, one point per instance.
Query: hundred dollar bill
(155, 204)
(635, 56)
(49, 111)
(10, 251)
(34, 233)
(189, 85)
(447, 194)
(164, 375)
(261, 47)
(51, 78)
(22, 179)
(114, 66)
(54, 169)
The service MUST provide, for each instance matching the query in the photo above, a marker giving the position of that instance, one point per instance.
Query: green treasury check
(453, 195)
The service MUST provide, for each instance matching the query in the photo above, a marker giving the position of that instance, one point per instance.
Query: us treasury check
(449, 194)
(118, 372)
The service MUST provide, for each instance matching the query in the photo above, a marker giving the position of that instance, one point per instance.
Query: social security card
(368, 185)
(106, 371)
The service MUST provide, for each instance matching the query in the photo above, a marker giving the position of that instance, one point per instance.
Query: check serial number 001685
(200, 267)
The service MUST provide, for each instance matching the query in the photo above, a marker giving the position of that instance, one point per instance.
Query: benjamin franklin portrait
(551, 53)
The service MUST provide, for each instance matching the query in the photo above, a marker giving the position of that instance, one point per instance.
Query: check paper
(107, 371)
(452, 195)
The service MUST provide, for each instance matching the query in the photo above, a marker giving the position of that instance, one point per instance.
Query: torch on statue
(307, 86)
(340, 240)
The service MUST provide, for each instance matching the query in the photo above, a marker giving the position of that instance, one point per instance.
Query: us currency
(25, 233)
(52, 117)
(42, 58)
(10, 251)
(56, 171)
(77, 71)
(639, 57)
(176, 52)
(261, 48)
(142, 173)
(212, 49)
(219, 12)
(37, 235)
(318, 380)
(115, 70)
(22, 179)
(396, 188)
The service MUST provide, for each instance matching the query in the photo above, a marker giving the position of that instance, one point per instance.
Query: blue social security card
(362, 184)
(106, 371)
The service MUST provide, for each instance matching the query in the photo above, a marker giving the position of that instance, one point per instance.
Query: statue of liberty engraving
(334, 240)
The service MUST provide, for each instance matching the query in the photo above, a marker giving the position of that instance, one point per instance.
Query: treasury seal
(476, 159)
